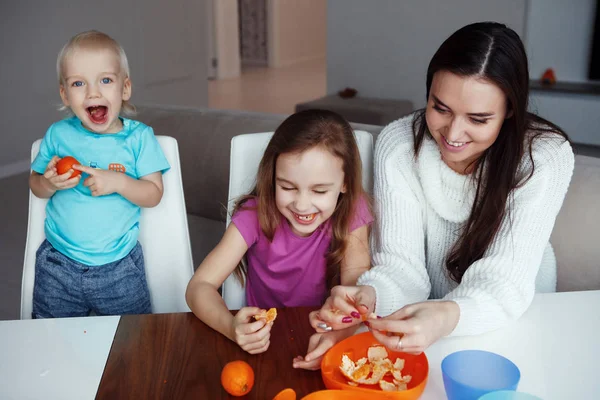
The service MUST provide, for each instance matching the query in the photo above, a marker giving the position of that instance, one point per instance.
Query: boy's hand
(54, 181)
(252, 336)
(101, 181)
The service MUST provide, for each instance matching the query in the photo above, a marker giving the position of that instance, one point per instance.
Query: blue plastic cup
(469, 374)
(509, 395)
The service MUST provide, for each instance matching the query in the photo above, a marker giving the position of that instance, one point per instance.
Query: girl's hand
(252, 336)
(344, 308)
(101, 181)
(415, 327)
(54, 181)
(318, 345)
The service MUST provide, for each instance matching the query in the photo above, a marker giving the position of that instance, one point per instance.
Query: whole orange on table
(237, 378)
(65, 164)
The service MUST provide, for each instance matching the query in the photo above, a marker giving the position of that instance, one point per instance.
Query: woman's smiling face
(464, 115)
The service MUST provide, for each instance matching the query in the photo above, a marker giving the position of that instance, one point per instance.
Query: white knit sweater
(421, 206)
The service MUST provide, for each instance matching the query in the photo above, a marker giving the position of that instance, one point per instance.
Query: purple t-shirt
(290, 271)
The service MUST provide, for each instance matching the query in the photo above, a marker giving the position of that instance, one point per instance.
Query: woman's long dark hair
(493, 52)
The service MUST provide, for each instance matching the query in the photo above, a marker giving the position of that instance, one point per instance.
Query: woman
(467, 191)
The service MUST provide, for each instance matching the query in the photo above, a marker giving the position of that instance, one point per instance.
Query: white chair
(163, 234)
(246, 153)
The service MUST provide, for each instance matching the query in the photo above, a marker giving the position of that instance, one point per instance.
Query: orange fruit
(65, 164)
(286, 394)
(237, 378)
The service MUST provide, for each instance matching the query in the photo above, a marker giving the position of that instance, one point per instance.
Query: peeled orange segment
(364, 317)
(268, 316)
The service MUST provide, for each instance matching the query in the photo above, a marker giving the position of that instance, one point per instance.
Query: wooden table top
(176, 356)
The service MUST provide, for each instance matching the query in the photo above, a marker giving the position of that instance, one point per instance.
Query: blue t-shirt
(103, 229)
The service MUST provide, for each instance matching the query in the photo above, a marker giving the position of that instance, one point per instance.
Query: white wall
(165, 44)
(296, 31)
(382, 48)
(578, 115)
(227, 38)
(559, 36)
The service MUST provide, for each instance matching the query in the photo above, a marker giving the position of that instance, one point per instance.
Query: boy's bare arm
(145, 192)
(40, 186)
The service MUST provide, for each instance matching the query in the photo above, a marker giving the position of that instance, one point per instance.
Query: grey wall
(382, 47)
(559, 36)
(165, 43)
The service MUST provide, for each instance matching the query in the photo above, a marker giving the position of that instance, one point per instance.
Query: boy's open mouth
(98, 114)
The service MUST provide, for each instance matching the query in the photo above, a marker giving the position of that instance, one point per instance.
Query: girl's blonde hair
(298, 133)
(94, 40)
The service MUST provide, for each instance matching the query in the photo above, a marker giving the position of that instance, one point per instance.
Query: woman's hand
(344, 308)
(415, 327)
(252, 336)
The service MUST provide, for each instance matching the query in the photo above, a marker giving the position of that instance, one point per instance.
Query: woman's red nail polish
(347, 320)
(355, 314)
(367, 323)
(378, 317)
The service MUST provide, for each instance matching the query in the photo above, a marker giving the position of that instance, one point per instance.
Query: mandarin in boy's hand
(237, 378)
(65, 164)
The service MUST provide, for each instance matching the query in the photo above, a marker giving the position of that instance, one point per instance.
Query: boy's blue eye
(106, 80)
(77, 84)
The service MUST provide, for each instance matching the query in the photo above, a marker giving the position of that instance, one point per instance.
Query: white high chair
(246, 153)
(163, 235)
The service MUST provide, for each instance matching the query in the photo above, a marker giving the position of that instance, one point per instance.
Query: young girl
(303, 228)
(91, 259)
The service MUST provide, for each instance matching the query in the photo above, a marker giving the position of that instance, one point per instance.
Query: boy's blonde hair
(94, 40)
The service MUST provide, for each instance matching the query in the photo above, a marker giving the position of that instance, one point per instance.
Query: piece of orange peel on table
(371, 370)
(268, 316)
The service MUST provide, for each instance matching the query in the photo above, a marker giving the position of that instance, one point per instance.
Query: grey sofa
(204, 140)
(204, 137)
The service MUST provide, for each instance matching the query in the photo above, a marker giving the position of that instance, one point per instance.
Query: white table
(54, 358)
(555, 344)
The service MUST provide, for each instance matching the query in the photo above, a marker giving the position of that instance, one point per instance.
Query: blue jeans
(67, 288)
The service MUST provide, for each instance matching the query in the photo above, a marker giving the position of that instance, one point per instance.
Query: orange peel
(373, 369)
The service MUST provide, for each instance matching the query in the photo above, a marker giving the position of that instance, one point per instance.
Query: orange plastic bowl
(356, 347)
(335, 395)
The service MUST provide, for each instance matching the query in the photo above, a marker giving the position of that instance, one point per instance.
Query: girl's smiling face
(307, 187)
